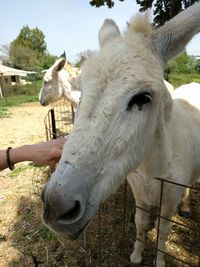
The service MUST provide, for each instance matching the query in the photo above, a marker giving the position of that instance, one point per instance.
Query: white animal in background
(60, 80)
(63, 80)
(128, 125)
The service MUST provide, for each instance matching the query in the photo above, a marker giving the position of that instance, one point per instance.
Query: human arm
(47, 153)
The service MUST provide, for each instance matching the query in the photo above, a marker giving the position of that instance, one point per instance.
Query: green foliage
(46, 234)
(3, 111)
(182, 64)
(164, 10)
(19, 95)
(182, 70)
(23, 58)
(197, 66)
(47, 61)
(98, 3)
(144, 4)
(182, 78)
(18, 170)
(31, 38)
(28, 50)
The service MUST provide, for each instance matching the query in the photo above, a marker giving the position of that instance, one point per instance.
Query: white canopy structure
(9, 75)
(7, 71)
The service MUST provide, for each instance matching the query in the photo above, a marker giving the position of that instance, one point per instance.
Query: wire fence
(59, 120)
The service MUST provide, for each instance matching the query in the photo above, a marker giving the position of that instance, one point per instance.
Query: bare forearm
(3, 161)
(43, 153)
(16, 155)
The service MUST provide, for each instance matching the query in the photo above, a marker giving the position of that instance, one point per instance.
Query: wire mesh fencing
(59, 120)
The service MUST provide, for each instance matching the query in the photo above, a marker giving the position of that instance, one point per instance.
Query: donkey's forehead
(122, 62)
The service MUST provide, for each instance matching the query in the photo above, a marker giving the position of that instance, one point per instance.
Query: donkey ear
(107, 32)
(171, 39)
(63, 55)
(58, 65)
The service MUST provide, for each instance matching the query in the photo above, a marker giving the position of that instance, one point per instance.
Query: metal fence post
(53, 124)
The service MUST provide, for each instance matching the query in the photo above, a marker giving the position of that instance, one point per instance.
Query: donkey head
(125, 106)
(52, 87)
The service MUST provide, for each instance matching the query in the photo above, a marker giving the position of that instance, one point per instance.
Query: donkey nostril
(71, 214)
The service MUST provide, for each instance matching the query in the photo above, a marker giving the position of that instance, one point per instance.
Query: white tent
(6, 73)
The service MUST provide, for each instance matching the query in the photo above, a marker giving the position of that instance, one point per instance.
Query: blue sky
(70, 25)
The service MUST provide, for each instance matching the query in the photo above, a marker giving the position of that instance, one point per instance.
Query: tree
(197, 66)
(22, 57)
(163, 10)
(182, 64)
(31, 38)
(99, 3)
(47, 61)
(28, 49)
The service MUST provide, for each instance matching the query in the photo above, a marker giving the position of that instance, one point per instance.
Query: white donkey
(60, 80)
(128, 125)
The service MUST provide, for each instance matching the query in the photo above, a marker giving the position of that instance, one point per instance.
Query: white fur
(115, 136)
(58, 82)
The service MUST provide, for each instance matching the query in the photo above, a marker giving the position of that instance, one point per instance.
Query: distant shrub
(179, 79)
(17, 95)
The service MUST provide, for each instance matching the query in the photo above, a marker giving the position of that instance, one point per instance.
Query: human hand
(47, 153)
(42, 153)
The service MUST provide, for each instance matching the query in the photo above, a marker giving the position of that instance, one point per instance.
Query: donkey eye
(139, 100)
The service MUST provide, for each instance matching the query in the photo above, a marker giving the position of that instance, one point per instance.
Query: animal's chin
(65, 232)
(76, 235)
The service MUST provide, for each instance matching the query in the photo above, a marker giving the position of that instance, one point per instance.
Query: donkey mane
(141, 24)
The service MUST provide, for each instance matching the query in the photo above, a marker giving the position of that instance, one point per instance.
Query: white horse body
(128, 125)
(60, 80)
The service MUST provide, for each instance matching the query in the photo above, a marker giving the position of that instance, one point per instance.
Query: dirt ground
(26, 242)
(24, 125)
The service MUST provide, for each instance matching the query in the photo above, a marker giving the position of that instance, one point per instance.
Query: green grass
(19, 95)
(184, 78)
(3, 111)
(19, 170)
